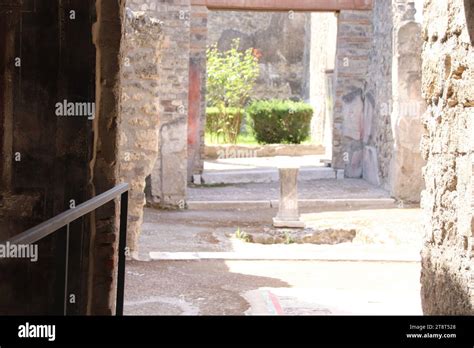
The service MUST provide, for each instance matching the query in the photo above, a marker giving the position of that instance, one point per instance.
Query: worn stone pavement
(277, 287)
(316, 189)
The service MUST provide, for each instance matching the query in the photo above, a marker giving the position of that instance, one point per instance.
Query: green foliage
(280, 121)
(243, 236)
(289, 238)
(231, 77)
(222, 124)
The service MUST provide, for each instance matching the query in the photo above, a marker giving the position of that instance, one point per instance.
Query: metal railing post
(121, 254)
(66, 269)
(47, 228)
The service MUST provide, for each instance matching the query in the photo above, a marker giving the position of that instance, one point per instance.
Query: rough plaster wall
(323, 56)
(448, 88)
(280, 38)
(104, 164)
(169, 175)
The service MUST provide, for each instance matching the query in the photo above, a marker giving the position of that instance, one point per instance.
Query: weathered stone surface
(354, 37)
(448, 87)
(140, 112)
(406, 166)
(370, 166)
(288, 213)
(169, 82)
(303, 236)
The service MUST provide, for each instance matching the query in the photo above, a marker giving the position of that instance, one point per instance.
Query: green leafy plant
(289, 238)
(216, 122)
(280, 121)
(231, 77)
(243, 236)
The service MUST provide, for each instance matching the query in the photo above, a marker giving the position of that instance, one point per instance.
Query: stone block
(288, 214)
(370, 171)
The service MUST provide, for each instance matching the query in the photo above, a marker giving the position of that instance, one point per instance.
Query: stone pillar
(140, 104)
(197, 90)
(288, 214)
(169, 175)
(447, 276)
(406, 179)
(354, 40)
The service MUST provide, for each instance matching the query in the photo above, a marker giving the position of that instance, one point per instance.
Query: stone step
(269, 254)
(266, 175)
(353, 203)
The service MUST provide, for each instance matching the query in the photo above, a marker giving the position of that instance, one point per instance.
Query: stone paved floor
(237, 287)
(271, 288)
(316, 189)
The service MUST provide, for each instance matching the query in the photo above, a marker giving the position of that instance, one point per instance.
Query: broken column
(288, 213)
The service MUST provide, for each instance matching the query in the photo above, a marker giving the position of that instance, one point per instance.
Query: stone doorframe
(354, 17)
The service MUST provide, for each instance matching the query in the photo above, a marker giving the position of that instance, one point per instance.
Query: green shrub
(224, 123)
(231, 76)
(280, 121)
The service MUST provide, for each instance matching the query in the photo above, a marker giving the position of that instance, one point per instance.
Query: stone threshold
(354, 203)
(287, 256)
(261, 175)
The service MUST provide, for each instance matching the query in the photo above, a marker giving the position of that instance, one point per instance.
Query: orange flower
(257, 53)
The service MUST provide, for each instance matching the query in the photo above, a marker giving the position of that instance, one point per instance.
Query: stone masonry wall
(353, 105)
(379, 138)
(140, 116)
(322, 60)
(405, 176)
(169, 175)
(448, 87)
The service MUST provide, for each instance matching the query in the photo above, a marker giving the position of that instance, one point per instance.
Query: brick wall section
(354, 41)
(448, 88)
(169, 175)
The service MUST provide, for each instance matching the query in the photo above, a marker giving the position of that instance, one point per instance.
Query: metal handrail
(52, 225)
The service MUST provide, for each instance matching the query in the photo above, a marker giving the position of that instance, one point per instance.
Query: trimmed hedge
(280, 121)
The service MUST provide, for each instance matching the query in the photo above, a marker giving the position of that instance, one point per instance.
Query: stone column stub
(288, 212)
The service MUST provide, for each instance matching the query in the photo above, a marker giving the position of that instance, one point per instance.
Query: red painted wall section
(194, 103)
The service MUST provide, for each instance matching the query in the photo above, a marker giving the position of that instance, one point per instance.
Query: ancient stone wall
(169, 175)
(353, 106)
(139, 112)
(378, 139)
(405, 176)
(321, 66)
(392, 157)
(448, 87)
(279, 37)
